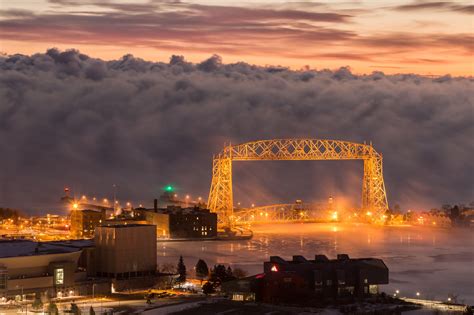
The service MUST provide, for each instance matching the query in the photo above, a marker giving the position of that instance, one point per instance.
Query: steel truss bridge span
(374, 197)
(291, 212)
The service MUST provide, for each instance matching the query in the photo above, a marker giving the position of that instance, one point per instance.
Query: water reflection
(436, 262)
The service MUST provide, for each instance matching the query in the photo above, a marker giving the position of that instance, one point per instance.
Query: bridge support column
(220, 196)
(374, 198)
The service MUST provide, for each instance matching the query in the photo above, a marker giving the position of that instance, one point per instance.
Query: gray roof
(17, 248)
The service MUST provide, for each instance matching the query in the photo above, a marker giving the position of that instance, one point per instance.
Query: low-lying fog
(434, 262)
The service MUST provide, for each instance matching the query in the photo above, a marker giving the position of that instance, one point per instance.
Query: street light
(417, 293)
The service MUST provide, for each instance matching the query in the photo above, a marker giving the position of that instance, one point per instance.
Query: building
(84, 222)
(125, 251)
(177, 223)
(320, 280)
(49, 268)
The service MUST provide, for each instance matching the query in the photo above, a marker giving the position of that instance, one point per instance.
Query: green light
(169, 188)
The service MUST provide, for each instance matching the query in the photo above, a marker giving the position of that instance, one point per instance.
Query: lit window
(59, 276)
(238, 297)
(274, 268)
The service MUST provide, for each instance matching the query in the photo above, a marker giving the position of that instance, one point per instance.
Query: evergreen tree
(228, 273)
(91, 311)
(221, 274)
(75, 309)
(202, 271)
(208, 288)
(181, 269)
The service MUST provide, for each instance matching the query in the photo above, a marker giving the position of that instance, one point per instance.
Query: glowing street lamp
(417, 293)
(397, 291)
(75, 206)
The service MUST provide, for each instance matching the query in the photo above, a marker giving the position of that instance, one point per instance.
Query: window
(237, 297)
(59, 276)
(373, 289)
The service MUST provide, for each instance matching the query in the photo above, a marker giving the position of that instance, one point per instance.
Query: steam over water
(433, 261)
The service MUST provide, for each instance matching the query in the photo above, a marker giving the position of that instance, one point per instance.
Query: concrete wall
(125, 249)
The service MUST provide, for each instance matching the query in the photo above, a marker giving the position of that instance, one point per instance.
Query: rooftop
(341, 259)
(122, 226)
(17, 248)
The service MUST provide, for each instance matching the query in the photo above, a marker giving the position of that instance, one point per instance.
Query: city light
(335, 216)
(274, 268)
(75, 206)
(169, 188)
(417, 293)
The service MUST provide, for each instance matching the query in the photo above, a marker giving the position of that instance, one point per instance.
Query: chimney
(342, 257)
(155, 204)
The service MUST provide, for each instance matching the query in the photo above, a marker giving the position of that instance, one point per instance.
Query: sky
(142, 94)
(400, 36)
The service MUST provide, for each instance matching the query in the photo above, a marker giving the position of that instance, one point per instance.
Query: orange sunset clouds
(425, 37)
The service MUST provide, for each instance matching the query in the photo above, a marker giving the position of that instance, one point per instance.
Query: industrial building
(84, 222)
(125, 251)
(126, 254)
(320, 280)
(181, 223)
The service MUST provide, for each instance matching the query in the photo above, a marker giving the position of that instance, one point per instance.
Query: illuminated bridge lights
(374, 198)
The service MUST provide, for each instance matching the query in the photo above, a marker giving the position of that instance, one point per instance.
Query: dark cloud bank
(69, 119)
